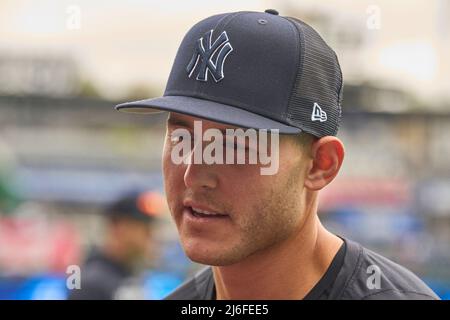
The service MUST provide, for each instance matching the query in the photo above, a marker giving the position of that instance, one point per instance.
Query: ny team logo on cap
(204, 57)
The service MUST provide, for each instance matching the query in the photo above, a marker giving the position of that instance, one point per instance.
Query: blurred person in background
(9, 200)
(109, 272)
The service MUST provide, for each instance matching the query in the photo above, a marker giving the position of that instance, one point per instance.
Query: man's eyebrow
(178, 122)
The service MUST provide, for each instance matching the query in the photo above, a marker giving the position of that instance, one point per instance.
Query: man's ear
(327, 157)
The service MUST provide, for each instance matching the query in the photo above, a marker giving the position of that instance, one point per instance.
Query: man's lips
(202, 215)
(199, 210)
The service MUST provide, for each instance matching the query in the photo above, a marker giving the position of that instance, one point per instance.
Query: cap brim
(208, 110)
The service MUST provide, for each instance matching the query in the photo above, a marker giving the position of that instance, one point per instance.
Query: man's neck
(288, 270)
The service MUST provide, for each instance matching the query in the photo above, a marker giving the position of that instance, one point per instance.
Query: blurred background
(65, 154)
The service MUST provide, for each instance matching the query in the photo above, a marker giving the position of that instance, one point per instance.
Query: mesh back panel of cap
(319, 80)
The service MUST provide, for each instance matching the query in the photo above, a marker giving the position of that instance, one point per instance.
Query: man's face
(255, 211)
(136, 236)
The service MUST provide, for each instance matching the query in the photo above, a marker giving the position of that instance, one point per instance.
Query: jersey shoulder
(199, 287)
(374, 277)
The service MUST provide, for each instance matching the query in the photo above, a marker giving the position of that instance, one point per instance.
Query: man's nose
(199, 175)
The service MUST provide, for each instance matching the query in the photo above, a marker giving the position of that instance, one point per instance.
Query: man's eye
(181, 136)
(176, 138)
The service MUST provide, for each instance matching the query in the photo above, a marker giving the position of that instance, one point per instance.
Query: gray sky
(118, 44)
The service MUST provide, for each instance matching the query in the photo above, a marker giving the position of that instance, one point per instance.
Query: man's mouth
(201, 213)
(197, 212)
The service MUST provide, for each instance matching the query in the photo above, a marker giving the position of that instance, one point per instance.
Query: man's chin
(211, 254)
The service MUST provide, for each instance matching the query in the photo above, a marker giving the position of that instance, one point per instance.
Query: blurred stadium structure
(65, 153)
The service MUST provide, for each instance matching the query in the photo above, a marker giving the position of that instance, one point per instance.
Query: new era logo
(318, 114)
(210, 57)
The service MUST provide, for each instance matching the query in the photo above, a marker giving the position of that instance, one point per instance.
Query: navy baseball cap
(254, 70)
